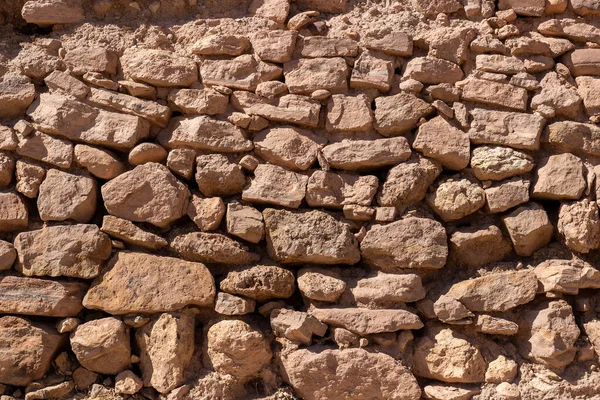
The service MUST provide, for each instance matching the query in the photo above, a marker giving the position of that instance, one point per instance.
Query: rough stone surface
(72, 250)
(366, 154)
(320, 284)
(148, 193)
(559, 177)
(260, 282)
(138, 282)
(291, 148)
(454, 199)
(498, 163)
(440, 140)
(275, 185)
(65, 196)
(529, 228)
(159, 67)
(409, 243)
(310, 237)
(211, 248)
(399, 113)
(27, 350)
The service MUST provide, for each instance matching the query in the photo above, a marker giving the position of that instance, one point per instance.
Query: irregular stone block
(275, 185)
(260, 282)
(367, 154)
(158, 67)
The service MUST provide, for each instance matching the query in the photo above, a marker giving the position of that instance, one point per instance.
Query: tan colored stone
(579, 224)
(27, 350)
(237, 349)
(409, 243)
(372, 70)
(16, 94)
(243, 72)
(500, 291)
(529, 228)
(440, 140)
(127, 382)
(275, 10)
(148, 193)
(290, 108)
(129, 233)
(309, 237)
(59, 115)
(151, 111)
(228, 304)
(399, 113)
(144, 283)
(217, 176)
(8, 255)
(292, 148)
(367, 154)
(41, 147)
(446, 355)
(559, 177)
(198, 101)
(102, 345)
(13, 213)
(387, 290)
(507, 194)
(328, 189)
(181, 162)
(394, 43)
(325, 383)
(476, 246)
(245, 222)
(166, 347)
(451, 311)
(100, 163)
(64, 83)
(322, 46)
(556, 96)
(139, 89)
(274, 46)
(558, 276)
(204, 133)
(206, 213)
(7, 169)
(221, 45)
(547, 334)
(453, 199)
(260, 282)
(431, 70)
(501, 369)
(363, 321)
(50, 12)
(495, 326)
(495, 94)
(498, 163)
(588, 87)
(517, 130)
(65, 196)
(528, 8)
(320, 284)
(275, 185)
(407, 182)
(8, 140)
(348, 114)
(32, 296)
(296, 326)
(571, 136)
(91, 59)
(583, 61)
(29, 178)
(212, 248)
(437, 391)
(499, 64)
(158, 67)
(71, 250)
(146, 152)
(306, 75)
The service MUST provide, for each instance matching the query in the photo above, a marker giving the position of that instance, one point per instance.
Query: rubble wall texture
(299, 199)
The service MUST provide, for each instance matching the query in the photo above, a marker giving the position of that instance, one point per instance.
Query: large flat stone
(145, 283)
(244, 72)
(367, 154)
(364, 321)
(213, 248)
(273, 184)
(290, 108)
(309, 237)
(306, 75)
(291, 148)
(517, 130)
(62, 116)
(159, 67)
(32, 296)
(149, 110)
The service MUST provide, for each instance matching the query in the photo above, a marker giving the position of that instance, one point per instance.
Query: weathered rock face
(102, 345)
(137, 282)
(76, 251)
(159, 67)
(64, 196)
(27, 350)
(261, 282)
(235, 348)
(310, 237)
(166, 347)
(363, 321)
(379, 373)
(409, 243)
(212, 248)
(148, 193)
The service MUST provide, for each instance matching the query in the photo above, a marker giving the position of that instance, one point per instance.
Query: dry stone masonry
(299, 199)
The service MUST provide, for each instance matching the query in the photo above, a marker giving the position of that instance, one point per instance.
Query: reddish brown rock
(217, 176)
(292, 148)
(148, 193)
(320, 284)
(129, 233)
(65, 196)
(32, 296)
(348, 114)
(363, 321)
(309, 237)
(275, 185)
(144, 283)
(409, 243)
(27, 350)
(244, 72)
(245, 222)
(529, 228)
(260, 282)
(71, 250)
(13, 213)
(399, 113)
(158, 67)
(476, 246)
(306, 75)
(212, 248)
(102, 345)
(328, 189)
(366, 154)
(442, 141)
(559, 177)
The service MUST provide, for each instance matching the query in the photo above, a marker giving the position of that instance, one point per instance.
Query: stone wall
(315, 199)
